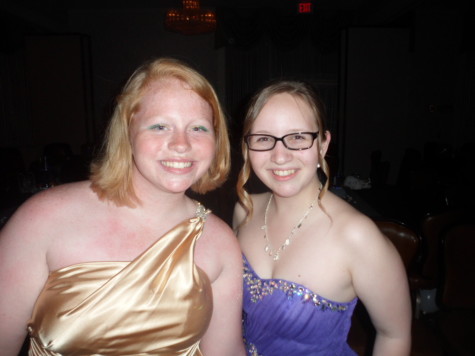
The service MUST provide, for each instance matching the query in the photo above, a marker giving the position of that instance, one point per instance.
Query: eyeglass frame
(314, 135)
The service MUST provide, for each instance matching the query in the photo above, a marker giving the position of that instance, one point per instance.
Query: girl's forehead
(285, 111)
(165, 83)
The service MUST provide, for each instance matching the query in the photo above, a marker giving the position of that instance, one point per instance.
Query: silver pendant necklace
(275, 254)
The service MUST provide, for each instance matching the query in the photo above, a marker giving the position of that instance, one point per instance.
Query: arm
(23, 271)
(380, 281)
(224, 335)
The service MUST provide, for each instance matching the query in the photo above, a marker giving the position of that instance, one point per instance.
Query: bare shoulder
(51, 225)
(217, 249)
(57, 197)
(352, 227)
(46, 208)
(258, 202)
(239, 214)
(29, 233)
(218, 231)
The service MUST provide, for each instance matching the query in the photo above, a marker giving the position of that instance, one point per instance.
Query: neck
(275, 252)
(159, 202)
(295, 203)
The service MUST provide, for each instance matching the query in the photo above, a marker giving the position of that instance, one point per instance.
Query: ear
(325, 143)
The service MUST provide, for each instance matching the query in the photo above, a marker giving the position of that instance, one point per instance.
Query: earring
(318, 165)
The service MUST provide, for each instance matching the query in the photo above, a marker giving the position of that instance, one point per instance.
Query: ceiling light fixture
(190, 20)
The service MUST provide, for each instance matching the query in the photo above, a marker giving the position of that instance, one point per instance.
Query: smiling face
(172, 138)
(286, 172)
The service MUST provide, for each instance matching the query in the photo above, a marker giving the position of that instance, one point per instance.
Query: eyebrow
(288, 132)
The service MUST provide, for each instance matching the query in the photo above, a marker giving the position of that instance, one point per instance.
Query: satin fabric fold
(158, 304)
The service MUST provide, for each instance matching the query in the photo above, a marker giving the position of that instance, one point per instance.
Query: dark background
(397, 77)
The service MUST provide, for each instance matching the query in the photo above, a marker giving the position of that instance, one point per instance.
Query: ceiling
(53, 14)
(55, 6)
(334, 4)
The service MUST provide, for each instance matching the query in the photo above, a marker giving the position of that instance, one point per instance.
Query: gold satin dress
(158, 304)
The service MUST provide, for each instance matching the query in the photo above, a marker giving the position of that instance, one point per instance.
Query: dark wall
(407, 86)
(404, 83)
(122, 39)
(60, 78)
(376, 97)
(58, 89)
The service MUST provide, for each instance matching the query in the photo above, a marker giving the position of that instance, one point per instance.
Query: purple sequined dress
(285, 318)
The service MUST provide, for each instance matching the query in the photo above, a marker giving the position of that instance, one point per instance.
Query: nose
(280, 154)
(179, 142)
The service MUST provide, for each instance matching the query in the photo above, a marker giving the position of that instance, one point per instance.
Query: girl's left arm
(380, 281)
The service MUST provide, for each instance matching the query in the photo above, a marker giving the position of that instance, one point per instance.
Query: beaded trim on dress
(201, 211)
(260, 288)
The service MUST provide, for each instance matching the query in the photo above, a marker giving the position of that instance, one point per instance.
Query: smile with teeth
(174, 164)
(285, 173)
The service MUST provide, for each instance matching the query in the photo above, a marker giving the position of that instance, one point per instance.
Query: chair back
(432, 227)
(404, 238)
(458, 290)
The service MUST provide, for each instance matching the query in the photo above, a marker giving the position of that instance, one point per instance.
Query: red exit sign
(305, 7)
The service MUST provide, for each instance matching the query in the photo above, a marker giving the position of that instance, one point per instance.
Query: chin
(286, 193)
(177, 187)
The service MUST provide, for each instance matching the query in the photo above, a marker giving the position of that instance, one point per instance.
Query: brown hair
(111, 173)
(297, 89)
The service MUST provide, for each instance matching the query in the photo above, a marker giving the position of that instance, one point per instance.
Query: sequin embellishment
(252, 350)
(201, 211)
(259, 288)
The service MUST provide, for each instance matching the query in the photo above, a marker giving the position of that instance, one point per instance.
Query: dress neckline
(201, 212)
(297, 285)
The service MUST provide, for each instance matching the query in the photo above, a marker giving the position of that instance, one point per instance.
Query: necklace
(275, 254)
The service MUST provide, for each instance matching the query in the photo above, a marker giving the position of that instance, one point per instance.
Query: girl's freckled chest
(123, 242)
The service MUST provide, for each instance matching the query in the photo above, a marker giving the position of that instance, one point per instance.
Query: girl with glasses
(308, 255)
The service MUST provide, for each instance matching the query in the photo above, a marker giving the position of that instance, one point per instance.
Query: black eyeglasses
(295, 141)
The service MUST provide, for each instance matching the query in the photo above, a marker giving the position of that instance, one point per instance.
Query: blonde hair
(297, 89)
(111, 173)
